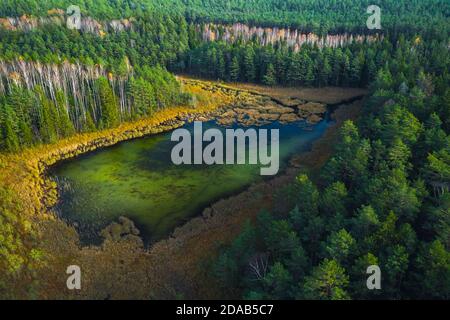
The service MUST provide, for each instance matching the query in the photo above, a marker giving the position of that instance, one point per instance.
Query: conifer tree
(65, 126)
(234, 69)
(249, 64)
(10, 139)
(110, 110)
(270, 78)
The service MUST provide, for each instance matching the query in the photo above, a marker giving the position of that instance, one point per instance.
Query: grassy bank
(27, 194)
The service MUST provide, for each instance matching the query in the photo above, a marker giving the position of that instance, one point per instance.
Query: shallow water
(137, 179)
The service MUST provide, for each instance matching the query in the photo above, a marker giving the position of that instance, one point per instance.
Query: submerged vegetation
(382, 198)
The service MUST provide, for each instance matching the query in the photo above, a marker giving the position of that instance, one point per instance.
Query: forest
(42, 114)
(381, 199)
(353, 66)
(319, 16)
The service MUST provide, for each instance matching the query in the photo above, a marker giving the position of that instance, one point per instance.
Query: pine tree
(278, 281)
(295, 75)
(270, 78)
(221, 73)
(249, 64)
(143, 97)
(23, 102)
(327, 282)
(109, 107)
(324, 72)
(309, 74)
(345, 68)
(64, 124)
(47, 120)
(10, 139)
(89, 125)
(336, 67)
(355, 72)
(234, 69)
(281, 66)
(434, 268)
(212, 63)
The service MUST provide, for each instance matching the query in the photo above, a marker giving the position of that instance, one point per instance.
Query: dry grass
(327, 95)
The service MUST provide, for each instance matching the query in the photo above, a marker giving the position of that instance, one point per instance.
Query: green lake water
(137, 179)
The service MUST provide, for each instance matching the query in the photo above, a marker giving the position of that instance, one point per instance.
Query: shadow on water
(138, 180)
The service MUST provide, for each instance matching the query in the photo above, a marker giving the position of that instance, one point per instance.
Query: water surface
(137, 179)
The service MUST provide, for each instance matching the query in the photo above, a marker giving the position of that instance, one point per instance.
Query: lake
(137, 179)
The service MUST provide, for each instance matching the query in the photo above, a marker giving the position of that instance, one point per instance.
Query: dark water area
(138, 180)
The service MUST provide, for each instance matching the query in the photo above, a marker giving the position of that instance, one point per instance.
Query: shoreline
(25, 174)
(171, 125)
(25, 171)
(198, 240)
